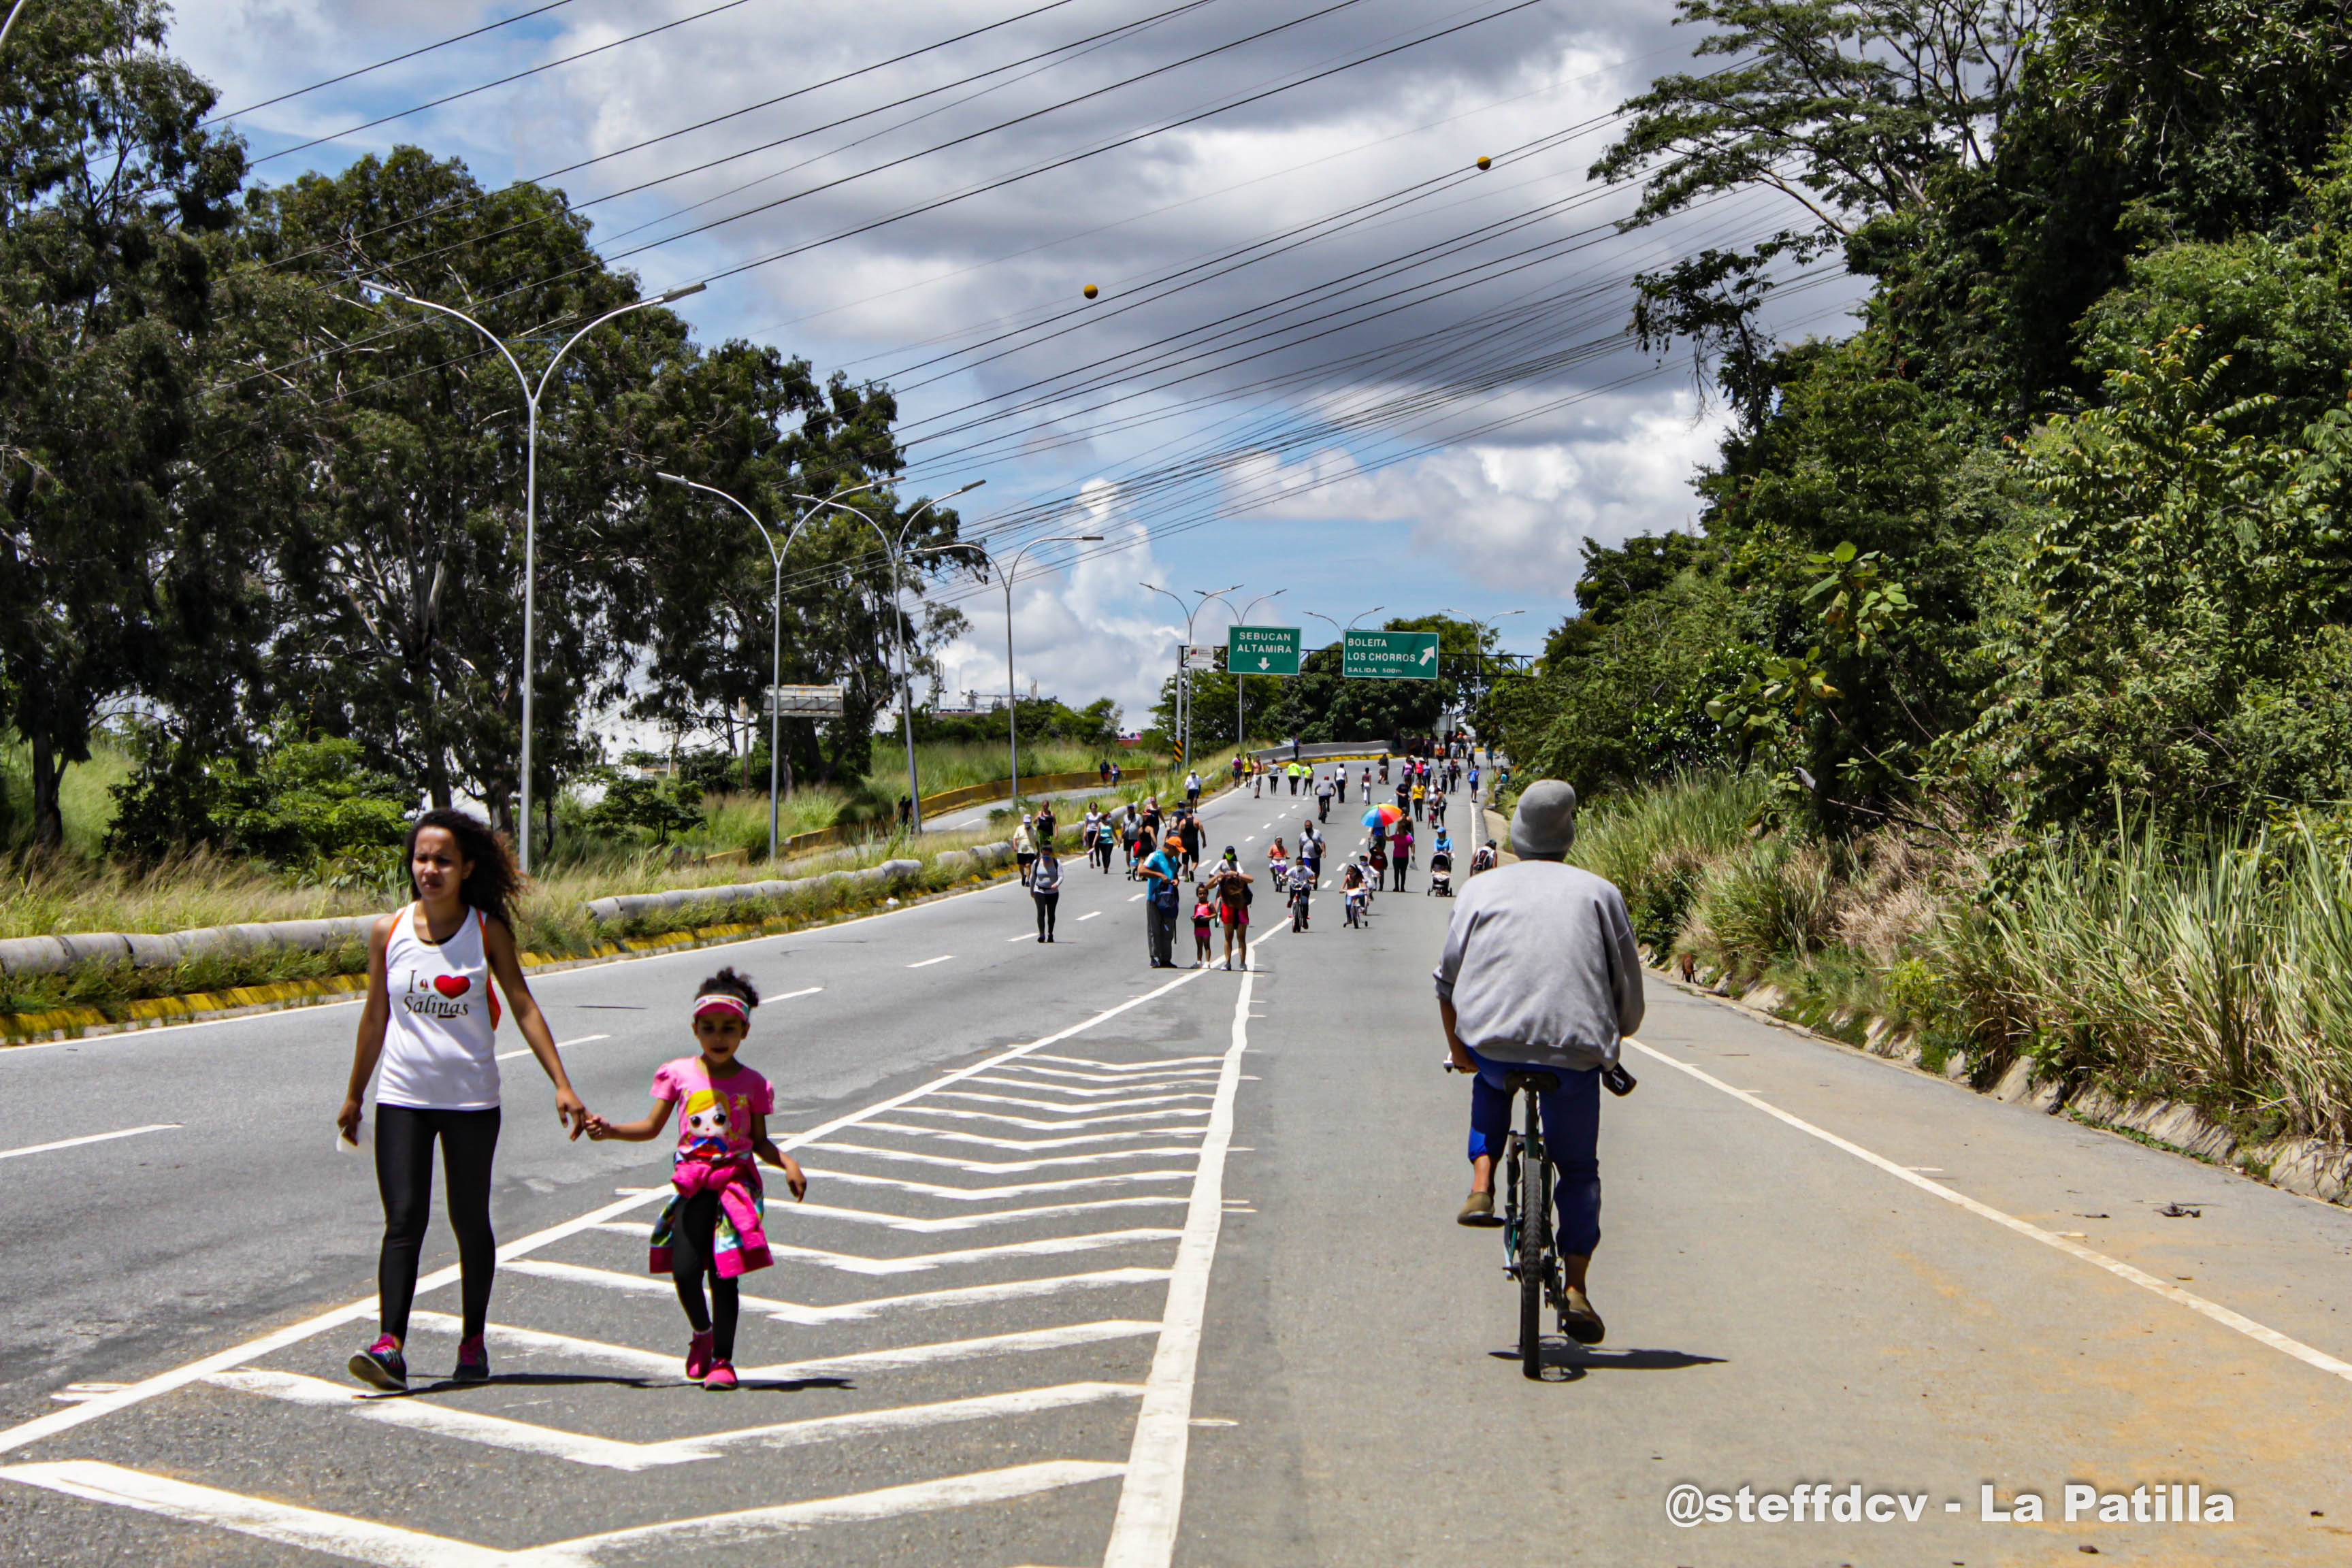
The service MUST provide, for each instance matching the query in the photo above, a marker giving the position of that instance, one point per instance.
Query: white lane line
(1089, 914)
(1002, 1167)
(926, 963)
(1152, 1499)
(58, 1421)
(91, 1138)
(1028, 1145)
(520, 1436)
(1009, 1190)
(559, 1045)
(1024, 936)
(803, 991)
(803, 1316)
(1133, 900)
(387, 1546)
(1162, 1063)
(2120, 1269)
(907, 1356)
(1031, 1121)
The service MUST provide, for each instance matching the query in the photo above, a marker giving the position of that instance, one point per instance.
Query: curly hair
(730, 981)
(492, 883)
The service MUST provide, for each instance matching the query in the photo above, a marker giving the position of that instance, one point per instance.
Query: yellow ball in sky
(1092, 290)
(1485, 163)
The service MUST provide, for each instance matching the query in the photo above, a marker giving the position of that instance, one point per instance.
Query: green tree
(112, 197)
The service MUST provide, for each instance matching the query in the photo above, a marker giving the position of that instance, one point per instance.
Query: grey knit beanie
(1545, 822)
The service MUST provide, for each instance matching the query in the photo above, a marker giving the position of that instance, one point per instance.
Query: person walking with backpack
(1162, 875)
(1540, 971)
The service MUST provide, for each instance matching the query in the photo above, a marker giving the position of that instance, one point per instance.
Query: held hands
(596, 1127)
(571, 1112)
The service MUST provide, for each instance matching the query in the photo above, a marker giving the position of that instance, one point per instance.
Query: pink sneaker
(722, 1377)
(697, 1357)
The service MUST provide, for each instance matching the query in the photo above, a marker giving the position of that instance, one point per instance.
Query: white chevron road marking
(1081, 1093)
(1012, 1190)
(1002, 1167)
(1162, 1074)
(387, 1546)
(851, 1311)
(1121, 1067)
(949, 1134)
(1052, 1246)
(908, 1356)
(1036, 1125)
(605, 1453)
(932, 1226)
(1055, 1105)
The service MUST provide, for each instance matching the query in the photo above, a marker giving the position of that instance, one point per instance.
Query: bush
(302, 803)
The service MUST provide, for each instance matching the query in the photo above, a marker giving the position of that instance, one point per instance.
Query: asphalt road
(1102, 1265)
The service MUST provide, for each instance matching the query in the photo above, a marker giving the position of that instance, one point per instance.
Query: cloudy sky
(1327, 354)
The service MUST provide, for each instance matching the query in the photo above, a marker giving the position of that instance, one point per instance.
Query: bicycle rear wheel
(1534, 1264)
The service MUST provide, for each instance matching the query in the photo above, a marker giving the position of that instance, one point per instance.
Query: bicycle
(1530, 1250)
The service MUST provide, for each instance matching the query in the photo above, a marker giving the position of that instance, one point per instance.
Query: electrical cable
(392, 61)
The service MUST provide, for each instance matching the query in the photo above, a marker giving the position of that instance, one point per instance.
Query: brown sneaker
(1478, 1209)
(1579, 1320)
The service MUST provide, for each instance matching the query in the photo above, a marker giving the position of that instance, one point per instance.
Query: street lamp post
(1183, 676)
(1240, 739)
(1479, 645)
(530, 396)
(896, 551)
(11, 21)
(1012, 697)
(776, 643)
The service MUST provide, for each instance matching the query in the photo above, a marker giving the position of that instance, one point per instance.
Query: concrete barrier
(153, 949)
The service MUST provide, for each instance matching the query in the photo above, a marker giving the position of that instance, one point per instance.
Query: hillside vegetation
(2005, 687)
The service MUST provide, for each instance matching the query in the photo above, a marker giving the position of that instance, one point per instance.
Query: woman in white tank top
(430, 1023)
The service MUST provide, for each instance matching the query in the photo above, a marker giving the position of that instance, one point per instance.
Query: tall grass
(2218, 972)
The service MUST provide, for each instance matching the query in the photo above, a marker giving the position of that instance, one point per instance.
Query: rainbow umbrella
(1382, 815)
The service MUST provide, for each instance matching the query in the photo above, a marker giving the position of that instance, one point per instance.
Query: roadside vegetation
(2002, 689)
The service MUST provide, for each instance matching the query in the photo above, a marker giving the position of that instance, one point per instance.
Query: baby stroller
(1441, 875)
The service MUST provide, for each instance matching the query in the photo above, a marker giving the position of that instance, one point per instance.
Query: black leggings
(1046, 904)
(403, 1175)
(691, 1250)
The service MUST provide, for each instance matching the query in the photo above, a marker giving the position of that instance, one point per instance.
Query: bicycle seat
(1541, 1082)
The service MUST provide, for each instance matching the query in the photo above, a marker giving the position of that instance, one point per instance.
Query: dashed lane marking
(926, 963)
(559, 1045)
(89, 1138)
(1089, 914)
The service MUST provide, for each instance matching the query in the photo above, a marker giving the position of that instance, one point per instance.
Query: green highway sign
(1263, 650)
(1390, 655)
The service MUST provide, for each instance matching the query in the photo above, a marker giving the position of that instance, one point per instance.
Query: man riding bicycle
(1540, 973)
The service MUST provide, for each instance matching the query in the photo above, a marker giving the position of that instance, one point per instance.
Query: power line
(394, 60)
(484, 87)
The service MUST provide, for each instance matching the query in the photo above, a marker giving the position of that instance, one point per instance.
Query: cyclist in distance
(1540, 971)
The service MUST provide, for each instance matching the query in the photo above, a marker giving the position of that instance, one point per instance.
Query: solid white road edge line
(2116, 1267)
(64, 1420)
(91, 1138)
(1151, 1497)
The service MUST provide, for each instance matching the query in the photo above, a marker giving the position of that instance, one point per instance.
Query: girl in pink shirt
(713, 1223)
